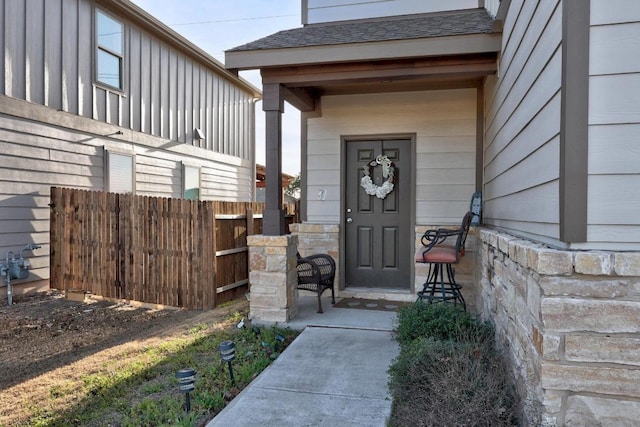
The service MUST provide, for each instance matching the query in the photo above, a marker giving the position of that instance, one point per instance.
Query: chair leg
(319, 301)
(439, 289)
(427, 288)
(458, 298)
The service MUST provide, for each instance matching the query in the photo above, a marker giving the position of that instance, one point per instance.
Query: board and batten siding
(522, 124)
(444, 124)
(614, 125)
(48, 54)
(317, 11)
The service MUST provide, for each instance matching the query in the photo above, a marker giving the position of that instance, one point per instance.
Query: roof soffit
(369, 51)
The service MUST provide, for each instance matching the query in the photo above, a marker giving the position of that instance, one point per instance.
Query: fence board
(171, 252)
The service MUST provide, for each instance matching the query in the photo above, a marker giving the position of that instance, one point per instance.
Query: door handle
(349, 220)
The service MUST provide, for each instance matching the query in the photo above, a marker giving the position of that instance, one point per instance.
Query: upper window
(109, 54)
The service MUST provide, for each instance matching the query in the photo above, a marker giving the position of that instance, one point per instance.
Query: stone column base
(272, 278)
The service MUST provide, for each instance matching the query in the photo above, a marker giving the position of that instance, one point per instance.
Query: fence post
(55, 220)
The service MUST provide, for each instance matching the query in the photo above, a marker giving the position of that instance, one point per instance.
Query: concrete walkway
(333, 374)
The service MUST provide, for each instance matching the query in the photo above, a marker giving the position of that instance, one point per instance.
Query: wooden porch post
(273, 105)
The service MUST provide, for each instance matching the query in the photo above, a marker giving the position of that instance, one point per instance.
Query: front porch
(274, 296)
(558, 316)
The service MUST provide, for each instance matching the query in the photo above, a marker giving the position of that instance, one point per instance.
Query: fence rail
(173, 252)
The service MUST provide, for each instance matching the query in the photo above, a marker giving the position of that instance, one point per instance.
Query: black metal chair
(316, 273)
(441, 257)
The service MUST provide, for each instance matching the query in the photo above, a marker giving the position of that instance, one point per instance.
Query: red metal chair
(441, 257)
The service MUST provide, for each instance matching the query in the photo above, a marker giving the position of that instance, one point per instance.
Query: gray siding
(48, 55)
(341, 10)
(444, 123)
(37, 155)
(522, 122)
(614, 125)
(521, 155)
(56, 123)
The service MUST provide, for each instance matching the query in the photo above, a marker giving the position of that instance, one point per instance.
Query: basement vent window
(120, 173)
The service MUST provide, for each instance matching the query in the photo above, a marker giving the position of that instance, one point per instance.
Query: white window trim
(107, 168)
(97, 48)
(186, 166)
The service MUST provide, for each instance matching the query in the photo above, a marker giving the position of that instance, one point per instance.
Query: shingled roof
(465, 22)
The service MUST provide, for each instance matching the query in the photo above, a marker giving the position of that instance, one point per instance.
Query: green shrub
(448, 372)
(440, 322)
(448, 383)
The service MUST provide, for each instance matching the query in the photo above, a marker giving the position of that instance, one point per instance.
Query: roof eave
(367, 51)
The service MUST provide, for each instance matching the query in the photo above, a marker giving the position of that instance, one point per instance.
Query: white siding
(522, 123)
(614, 124)
(444, 123)
(492, 6)
(341, 10)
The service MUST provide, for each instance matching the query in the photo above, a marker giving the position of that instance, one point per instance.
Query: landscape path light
(186, 381)
(228, 353)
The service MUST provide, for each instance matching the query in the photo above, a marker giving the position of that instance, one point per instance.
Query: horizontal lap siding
(614, 124)
(34, 158)
(522, 122)
(340, 10)
(444, 125)
(37, 156)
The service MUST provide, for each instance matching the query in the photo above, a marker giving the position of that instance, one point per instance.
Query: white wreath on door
(380, 191)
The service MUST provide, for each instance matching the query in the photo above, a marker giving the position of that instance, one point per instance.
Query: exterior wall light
(198, 134)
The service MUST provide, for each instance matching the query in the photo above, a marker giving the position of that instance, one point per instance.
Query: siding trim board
(479, 136)
(3, 74)
(80, 125)
(574, 131)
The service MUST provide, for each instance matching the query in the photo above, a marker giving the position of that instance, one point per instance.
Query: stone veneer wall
(570, 323)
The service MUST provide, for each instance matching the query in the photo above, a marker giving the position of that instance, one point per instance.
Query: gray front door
(377, 229)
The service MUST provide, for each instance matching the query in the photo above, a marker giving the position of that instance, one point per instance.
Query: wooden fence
(172, 252)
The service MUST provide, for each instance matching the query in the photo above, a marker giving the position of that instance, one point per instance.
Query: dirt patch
(46, 339)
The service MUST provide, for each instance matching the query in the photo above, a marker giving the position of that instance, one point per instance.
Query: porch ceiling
(305, 84)
(382, 76)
